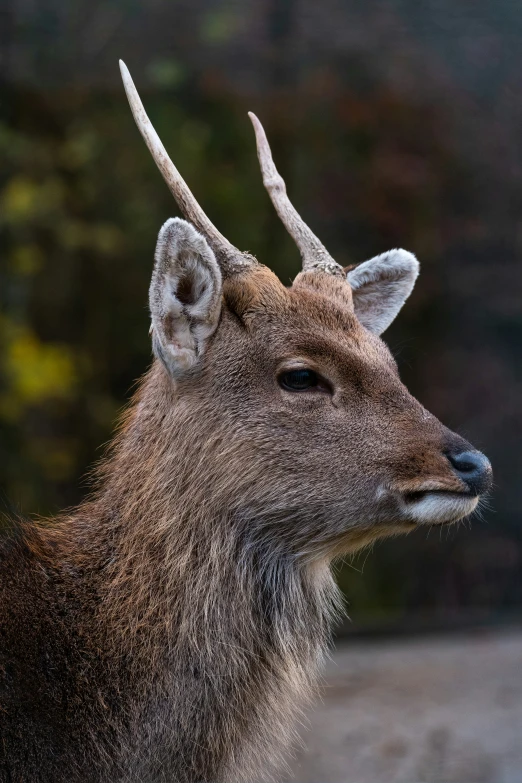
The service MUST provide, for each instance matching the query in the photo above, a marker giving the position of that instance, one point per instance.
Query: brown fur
(170, 628)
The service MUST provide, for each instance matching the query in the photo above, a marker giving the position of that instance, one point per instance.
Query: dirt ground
(432, 710)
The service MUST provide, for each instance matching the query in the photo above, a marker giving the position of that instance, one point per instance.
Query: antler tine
(314, 254)
(229, 257)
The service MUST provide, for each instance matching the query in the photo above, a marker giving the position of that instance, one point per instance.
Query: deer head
(334, 450)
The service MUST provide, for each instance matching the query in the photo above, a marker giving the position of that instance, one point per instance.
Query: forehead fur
(313, 319)
(258, 295)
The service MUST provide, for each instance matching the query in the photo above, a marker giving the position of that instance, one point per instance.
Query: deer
(174, 624)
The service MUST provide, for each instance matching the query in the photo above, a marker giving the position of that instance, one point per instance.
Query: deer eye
(299, 380)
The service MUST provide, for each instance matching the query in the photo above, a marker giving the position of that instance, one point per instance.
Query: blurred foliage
(390, 128)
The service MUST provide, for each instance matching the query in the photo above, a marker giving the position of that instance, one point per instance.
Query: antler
(314, 254)
(229, 257)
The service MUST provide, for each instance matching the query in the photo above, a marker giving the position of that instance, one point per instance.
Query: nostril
(466, 462)
(473, 468)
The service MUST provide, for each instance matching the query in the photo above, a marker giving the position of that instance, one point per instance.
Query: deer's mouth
(438, 506)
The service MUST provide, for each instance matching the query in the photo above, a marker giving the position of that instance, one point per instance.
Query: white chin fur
(436, 508)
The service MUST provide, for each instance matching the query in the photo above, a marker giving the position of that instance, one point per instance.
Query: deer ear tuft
(184, 296)
(380, 287)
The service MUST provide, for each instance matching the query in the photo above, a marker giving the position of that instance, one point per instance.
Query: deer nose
(474, 468)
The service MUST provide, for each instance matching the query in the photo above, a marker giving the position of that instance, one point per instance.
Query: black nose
(474, 468)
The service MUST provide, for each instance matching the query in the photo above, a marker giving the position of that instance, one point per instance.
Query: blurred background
(394, 123)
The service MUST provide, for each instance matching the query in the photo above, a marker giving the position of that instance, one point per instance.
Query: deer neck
(202, 609)
(178, 549)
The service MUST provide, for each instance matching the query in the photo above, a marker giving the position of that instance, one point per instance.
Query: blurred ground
(446, 710)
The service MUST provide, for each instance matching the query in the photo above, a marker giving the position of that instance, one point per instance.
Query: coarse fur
(171, 627)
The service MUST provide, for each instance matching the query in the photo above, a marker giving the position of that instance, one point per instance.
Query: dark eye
(299, 380)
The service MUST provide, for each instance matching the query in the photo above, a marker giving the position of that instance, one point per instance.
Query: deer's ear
(380, 287)
(184, 296)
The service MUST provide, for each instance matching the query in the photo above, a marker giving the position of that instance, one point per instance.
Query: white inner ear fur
(380, 287)
(184, 296)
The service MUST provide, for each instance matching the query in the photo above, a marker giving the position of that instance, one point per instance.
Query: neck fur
(225, 631)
